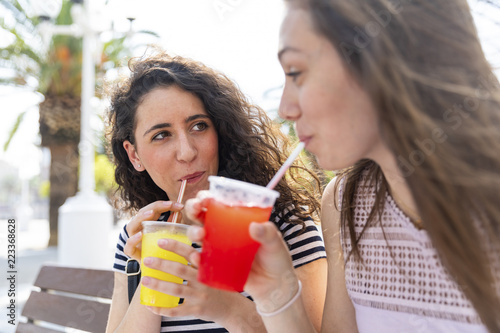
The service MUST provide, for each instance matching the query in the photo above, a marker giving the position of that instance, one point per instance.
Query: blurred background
(41, 55)
(44, 44)
(40, 95)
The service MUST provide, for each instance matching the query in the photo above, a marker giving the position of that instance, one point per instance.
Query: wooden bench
(68, 298)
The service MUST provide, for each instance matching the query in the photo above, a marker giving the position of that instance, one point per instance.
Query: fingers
(200, 301)
(134, 225)
(196, 234)
(169, 288)
(196, 207)
(272, 261)
(151, 212)
(185, 272)
(184, 250)
(195, 258)
(193, 209)
(133, 245)
(267, 235)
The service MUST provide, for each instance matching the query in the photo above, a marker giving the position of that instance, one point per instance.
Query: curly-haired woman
(176, 119)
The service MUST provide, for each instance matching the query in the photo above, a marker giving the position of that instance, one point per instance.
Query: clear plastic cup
(152, 232)
(228, 251)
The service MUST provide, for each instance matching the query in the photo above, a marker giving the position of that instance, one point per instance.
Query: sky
(237, 37)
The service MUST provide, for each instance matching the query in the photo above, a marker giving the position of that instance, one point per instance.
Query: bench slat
(31, 328)
(90, 282)
(66, 311)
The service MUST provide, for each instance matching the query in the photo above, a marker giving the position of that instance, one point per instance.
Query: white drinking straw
(285, 166)
(179, 199)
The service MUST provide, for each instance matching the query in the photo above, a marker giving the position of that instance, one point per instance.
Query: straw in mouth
(281, 172)
(179, 199)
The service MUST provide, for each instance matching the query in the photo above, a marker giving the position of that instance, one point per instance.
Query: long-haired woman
(398, 97)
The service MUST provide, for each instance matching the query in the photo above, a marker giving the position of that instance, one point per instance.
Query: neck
(398, 187)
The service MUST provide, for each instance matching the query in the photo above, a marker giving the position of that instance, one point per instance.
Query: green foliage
(104, 178)
(104, 175)
(55, 67)
(22, 56)
(13, 130)
(44, 189)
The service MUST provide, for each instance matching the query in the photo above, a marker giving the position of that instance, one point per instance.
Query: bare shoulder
(339, 314)
(330, 215)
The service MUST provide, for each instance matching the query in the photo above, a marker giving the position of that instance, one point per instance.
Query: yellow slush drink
(152, 232)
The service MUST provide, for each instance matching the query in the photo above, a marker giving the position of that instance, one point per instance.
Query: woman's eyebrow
(196, 116)
(287, 49)
(157, 126)
(164, 125)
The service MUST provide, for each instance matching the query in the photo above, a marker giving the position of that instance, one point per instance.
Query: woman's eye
(293, 73)
(160, 136)
(200, 126)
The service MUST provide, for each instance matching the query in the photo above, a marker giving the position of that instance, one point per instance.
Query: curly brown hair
(251, 146)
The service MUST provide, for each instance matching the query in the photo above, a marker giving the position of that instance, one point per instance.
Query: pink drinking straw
(179, 199)
(281, 172)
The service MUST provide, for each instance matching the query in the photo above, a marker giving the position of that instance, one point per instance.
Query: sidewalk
(31, 253)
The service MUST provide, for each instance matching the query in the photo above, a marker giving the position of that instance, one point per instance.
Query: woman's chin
(329, 164)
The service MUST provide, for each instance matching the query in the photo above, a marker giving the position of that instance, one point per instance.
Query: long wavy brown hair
(438, 103)
(251, 146)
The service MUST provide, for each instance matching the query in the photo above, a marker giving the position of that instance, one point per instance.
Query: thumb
(195, 258)
(266, 234)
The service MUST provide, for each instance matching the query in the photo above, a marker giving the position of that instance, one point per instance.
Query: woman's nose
(186, 151)
(289, 106)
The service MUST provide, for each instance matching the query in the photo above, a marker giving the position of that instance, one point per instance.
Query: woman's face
(332, 114)
(174, 140)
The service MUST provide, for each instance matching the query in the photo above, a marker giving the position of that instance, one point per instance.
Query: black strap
(133, 268)
(133, 271)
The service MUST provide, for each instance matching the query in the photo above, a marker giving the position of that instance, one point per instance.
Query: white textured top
(401, 287)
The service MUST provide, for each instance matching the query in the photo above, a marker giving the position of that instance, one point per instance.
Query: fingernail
(162, 242)
(148, 261)
(137, 235)
(167, 203)
(146, 280)
(259, 230)
(148, 212)
(178, 205)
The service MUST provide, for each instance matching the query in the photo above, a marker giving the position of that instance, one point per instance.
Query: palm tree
(57, 73)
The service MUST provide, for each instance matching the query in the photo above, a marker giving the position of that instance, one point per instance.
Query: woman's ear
(133, 156)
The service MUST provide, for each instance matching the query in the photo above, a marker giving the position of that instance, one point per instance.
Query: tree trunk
(60, 132)
(63, 182)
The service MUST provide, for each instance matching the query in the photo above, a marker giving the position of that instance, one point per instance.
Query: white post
(86, 148)
(24, 212)
(85, 220)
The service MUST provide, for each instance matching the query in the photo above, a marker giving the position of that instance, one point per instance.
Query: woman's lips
(305, 139)
(193, 178)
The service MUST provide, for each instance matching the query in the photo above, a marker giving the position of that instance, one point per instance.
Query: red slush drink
(228, 250)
